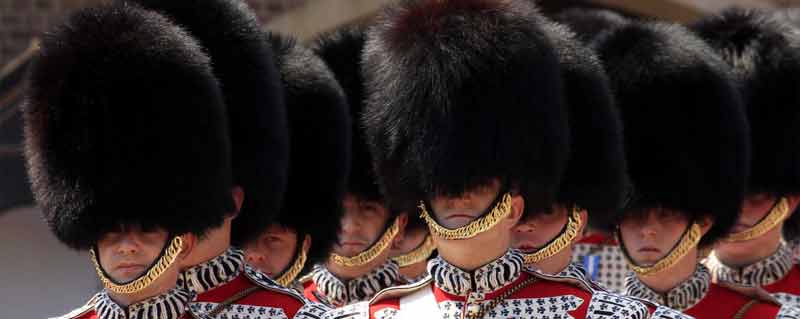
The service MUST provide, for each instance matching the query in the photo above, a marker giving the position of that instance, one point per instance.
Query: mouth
(528, 249)
(351, 244)
(129, 269)
(458, 216)
(649, 250)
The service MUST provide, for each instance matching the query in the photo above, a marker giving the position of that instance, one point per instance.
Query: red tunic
(324, 287)
(777, 274)
(503, 289)
(251, 294)
(722, 302)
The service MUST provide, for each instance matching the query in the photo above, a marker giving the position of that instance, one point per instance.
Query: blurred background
(39, 276)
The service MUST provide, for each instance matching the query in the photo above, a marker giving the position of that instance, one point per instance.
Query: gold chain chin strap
(368, 255)
(688, 240)
(290, 274)
(475, 227)
(165, 261)
(563, 240)
(419, 254)
(776, 215)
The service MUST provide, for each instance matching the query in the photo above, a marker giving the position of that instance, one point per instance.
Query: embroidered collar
(761, 273)
(684, 296)
(410, 280)
(488, 278)
(170, 305)
(340, 293)
(213, 273)
(573, 270)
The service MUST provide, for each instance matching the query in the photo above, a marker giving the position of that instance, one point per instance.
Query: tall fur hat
(244, 64)
(595, 178)
(125, 125)
(590, 23)
(765, 55)
(764, 50)
(342, 49)
(460, 93)
(320, 126)
(686, 137)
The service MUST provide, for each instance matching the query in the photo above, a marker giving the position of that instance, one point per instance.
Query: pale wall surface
(39, 277)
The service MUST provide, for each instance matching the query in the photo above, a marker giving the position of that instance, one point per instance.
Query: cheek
(105, 254)
(628, 234)
(523, 238)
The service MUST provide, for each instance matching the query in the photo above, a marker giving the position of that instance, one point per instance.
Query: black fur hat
(319, 125)
(460, 93)
(764, 50)
(125, 125)
(686, 137)
(590, 23)
(341, 49)
(244, 64)
(595, 178)
(765, 55)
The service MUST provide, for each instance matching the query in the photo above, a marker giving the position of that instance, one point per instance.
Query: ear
(237, 192)
(794, 200)
(189, 242)
(705, 224)
(402, 221)
(306, 243)
(517, 209)
(584, 216)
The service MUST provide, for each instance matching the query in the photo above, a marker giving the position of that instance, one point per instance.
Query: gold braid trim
(563, 240)
(776, 215)
(688, 240)
(475, 227)
(290, 274)
(419, 254)
(156, 270)
(368, 255)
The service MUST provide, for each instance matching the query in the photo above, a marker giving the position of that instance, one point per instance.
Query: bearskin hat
(764, 50)
(319, 126)
(244, 64)
(341, 49)
(590, 23)
(595, 178)
(460, 93)
(686, 137)
(125, 125)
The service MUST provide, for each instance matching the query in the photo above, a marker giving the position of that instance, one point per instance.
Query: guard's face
(273, 251)
(649, 237)
(534, 233)
(362, 225)
(454, 212)
(127, 253)
(754, 208)
(412, 239)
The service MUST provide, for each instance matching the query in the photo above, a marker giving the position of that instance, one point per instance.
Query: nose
(648, 231)
(460, 202)
(254, 257)
(128, 246)
(526, 227)
(350, 223)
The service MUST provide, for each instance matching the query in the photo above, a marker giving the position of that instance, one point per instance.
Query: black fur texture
(460, 93)
(125, 125)
(244, 64)
(320, 130)
(764, 50)
(686, 136)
